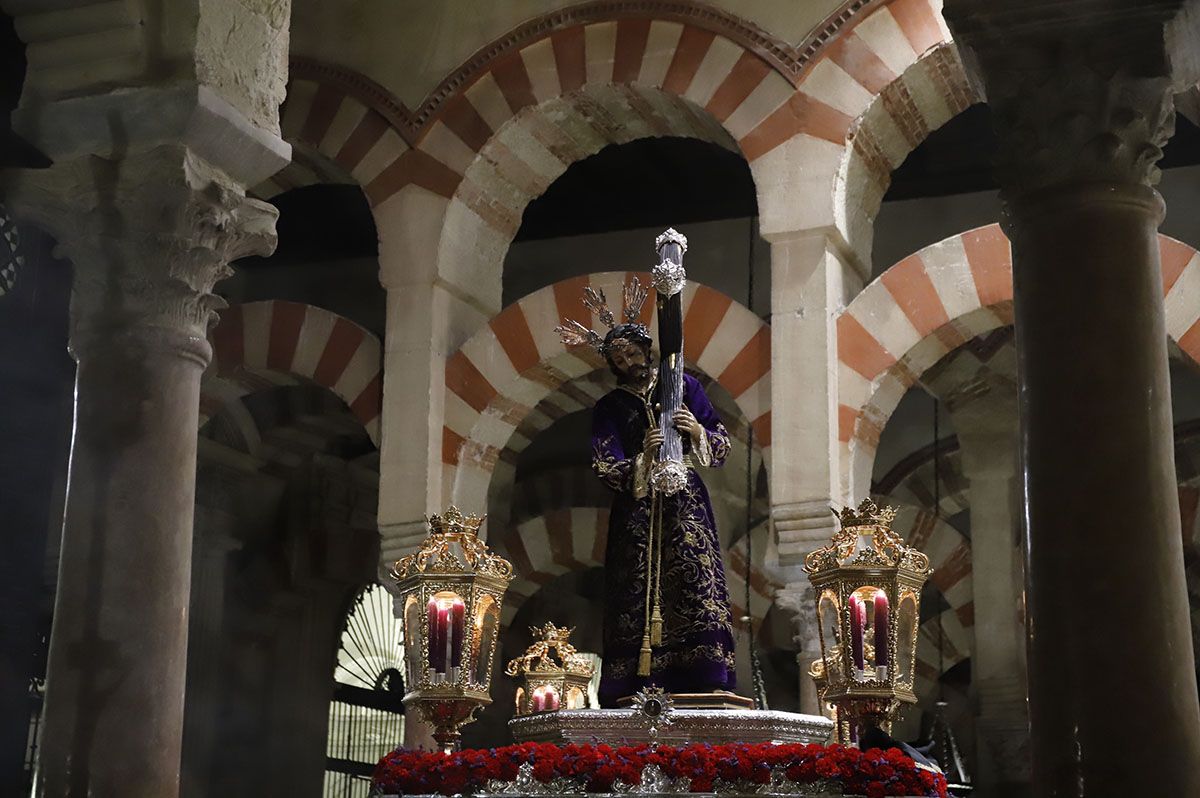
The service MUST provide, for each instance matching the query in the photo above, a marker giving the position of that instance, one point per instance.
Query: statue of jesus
(667, 621)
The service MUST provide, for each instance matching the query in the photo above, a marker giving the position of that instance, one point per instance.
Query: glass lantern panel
(906, 638)
(552, 698)
(830, 629)
(520, 698)
(412, 640)
(576, 699)
(446, 626)
(869, 624)
(487, 624)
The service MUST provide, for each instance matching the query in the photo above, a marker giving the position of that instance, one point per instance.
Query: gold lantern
(553, 675)
(451, 591)
(868, 590)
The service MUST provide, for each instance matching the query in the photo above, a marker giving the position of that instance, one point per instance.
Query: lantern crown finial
(868, 513)
(454, 521)
(866, 540)
(551, 650)
(453, 548)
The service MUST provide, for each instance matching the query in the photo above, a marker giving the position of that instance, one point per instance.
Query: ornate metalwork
(526, 784)
(868, 656)
(886, 549)
(573, 333)
(654, 706)
(669, 276)
(621, 726)
(668, 477)
(551, 664)
(452, 588)
(654, 782)
(671, 236)
(453, 547)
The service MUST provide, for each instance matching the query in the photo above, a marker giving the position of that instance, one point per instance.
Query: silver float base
(624, 726)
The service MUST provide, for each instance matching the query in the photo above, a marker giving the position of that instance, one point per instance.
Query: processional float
(451, 590)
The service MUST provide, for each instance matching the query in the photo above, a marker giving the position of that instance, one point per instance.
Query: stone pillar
(156, 116)
(1082, 107)
(987, 436)
(809, 282)
(429, 315)
(148, 235)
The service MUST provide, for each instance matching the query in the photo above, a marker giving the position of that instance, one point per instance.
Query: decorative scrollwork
(554, 642)
(886, 550)
(453, 547)
(668, 477)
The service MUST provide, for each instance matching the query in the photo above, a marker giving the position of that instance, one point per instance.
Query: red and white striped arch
(506, 369)
(336, 136)
(546, 547)
(885, 79)
(294, 339)
(950, 557)
(915, 313)
(934, 301)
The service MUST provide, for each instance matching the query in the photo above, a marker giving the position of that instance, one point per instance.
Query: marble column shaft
(1082, 109)
(147, 235)
(810, 282)
(1112, 678)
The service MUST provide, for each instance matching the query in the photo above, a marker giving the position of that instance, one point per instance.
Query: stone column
(809, 282)
(148, 235)
(987, 435)
(1082, 106)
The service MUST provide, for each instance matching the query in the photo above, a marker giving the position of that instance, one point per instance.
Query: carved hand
(686, 422)
(654, 439)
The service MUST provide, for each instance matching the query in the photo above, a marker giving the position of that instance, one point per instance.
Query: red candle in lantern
(443, 620)
(458, 630)
(858, 619)
(881, 629)
(432, 635)
(539, 699)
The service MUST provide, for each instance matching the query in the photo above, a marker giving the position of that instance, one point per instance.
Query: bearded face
(630, 361)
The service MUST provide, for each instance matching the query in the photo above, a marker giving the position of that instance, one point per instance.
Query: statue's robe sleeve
(615, 459)
(713, 446)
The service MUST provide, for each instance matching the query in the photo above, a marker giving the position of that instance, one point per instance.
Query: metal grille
(366, 715)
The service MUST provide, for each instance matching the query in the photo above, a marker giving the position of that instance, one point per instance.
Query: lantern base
(629, 726)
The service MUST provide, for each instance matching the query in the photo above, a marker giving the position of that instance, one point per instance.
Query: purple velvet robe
(697, 651)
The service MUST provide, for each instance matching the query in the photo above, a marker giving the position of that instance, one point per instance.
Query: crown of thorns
(573, 333)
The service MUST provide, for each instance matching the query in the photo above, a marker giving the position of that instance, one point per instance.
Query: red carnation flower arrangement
(874, 773)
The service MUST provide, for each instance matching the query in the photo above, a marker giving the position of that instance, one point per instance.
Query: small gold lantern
(451, 591)
(868, 589)
(553, 675)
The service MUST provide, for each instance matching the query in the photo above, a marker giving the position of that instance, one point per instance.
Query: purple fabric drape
(697, 651)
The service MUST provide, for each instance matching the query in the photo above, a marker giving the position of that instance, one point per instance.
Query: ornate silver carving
(668, 477)
(671, 236)
(669, 277)
(655, 707)
(619, 726)
(654, 782)
(526, 784)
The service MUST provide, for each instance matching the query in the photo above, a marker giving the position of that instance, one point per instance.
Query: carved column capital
(148, 235)
(1081, 92)
(1067, 115)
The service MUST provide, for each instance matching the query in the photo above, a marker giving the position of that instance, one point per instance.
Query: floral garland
(602, 768)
